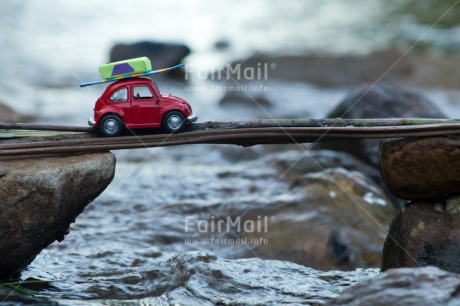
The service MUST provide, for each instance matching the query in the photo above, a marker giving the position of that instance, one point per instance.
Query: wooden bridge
(243, 133)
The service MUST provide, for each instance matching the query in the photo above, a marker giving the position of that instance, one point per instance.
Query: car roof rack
(130, 76)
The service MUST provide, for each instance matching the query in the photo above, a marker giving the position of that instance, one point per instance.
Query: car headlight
(188, 108)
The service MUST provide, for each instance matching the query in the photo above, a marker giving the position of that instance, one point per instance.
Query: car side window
(142, 92)
(120, 95)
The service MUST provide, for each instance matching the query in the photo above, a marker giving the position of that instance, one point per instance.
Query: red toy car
(137, 103)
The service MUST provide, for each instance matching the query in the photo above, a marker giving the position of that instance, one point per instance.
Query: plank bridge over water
(245, 133)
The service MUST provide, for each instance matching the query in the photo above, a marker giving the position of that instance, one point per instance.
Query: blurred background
(315, 51)
(49, 47)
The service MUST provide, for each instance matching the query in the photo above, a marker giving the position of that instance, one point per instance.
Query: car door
(119, 100)
(144, 106)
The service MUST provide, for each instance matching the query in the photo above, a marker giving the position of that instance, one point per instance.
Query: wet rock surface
(41, 197)
(421, 168)
(415, 286)
(379, 102)
(425, 233)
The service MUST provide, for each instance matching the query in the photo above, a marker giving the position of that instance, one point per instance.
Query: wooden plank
(44, 127)
(263, 123)
(244, 136)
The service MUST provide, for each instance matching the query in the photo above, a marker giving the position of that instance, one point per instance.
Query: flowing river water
(135, 244)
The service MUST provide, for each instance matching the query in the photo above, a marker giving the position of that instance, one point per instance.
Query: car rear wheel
(173, 121)
(111, 125)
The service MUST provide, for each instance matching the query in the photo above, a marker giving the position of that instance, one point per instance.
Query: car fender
(173, 107)
(111, 111)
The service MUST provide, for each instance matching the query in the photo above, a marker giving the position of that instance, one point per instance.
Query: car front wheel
(111, 125)
(174, 121)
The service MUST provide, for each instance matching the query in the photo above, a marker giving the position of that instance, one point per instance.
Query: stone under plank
(425, 233)
(421, 168)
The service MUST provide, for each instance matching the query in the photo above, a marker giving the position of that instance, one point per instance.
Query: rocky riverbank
(131, 247)
(321, 209)
(294, 211)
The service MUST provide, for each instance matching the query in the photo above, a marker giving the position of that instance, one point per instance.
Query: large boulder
(425, 233)
(417, 286)
(40, 197)
(421, 168)
(378, 102)
(336, 220)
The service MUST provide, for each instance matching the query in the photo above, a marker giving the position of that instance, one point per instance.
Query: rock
(425, 233)
(378, 102)
(41, 197)
(318, 160)
(421, 168)
(339, 222)
(416, 286)
(236, 154)
(242, 99)
(7, 114)
(161, 54)
(222, 45)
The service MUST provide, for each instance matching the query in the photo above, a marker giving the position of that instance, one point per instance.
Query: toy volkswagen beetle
(135, 102)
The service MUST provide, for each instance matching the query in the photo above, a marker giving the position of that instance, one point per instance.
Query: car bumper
(91, 121)
(192, 118)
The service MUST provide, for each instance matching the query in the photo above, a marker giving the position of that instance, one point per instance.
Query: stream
(141, 242)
